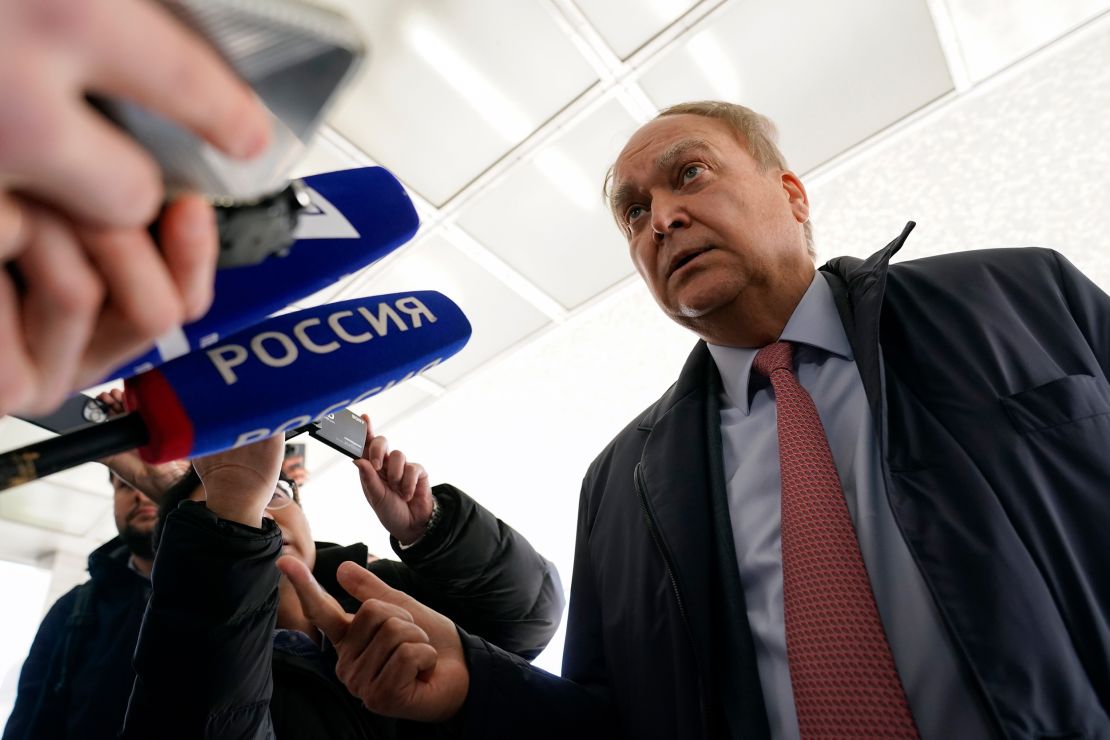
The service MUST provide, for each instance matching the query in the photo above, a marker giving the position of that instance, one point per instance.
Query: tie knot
(777, 356)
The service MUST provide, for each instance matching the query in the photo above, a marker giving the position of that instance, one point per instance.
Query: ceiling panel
(626, 25)
(829, 74)
(995, 33)
(546, 218)
(499, 317)
(387, 406)
(54, 507)
(1026, 163)
(322, 156)
(452, 87)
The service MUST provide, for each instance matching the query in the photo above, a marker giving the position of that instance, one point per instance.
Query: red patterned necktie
(841, 669)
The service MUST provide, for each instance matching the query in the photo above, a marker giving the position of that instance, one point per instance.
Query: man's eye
(633, 213)
(689, 172)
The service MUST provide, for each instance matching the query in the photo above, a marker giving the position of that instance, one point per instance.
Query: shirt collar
(815, 322)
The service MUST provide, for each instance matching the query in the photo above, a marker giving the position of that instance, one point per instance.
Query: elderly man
(871, 505)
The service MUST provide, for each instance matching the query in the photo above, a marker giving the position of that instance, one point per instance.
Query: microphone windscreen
(291, 370)
(356, 217)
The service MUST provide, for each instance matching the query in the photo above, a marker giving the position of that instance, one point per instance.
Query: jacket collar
(329, 556)
(858, 287)
(108, 564)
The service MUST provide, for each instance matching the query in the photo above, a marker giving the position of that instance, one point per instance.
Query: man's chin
(139, 539)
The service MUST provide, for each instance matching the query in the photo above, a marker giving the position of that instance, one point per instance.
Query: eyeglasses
(284, 493)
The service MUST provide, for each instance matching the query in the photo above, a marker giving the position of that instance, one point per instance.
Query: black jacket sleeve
(509, 698)
(203, 659)
(482, 574)
(31, 702)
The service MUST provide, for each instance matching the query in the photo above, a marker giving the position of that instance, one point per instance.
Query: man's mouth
(682, 259)
(149, 511)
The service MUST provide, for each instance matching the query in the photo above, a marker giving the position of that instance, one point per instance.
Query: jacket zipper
(668, 565)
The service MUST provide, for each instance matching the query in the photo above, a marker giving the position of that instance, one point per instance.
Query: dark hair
(178, 492)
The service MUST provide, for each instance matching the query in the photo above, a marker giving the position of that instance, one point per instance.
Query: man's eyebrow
(620, 196)
(626, 192)
(676, 150)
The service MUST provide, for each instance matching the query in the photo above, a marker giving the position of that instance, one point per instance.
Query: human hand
(239, 483)
(85, 287)
(153, 480)
(399, 657)
(397, 490)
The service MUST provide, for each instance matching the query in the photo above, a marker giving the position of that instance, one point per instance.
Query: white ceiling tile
(546, 218)
(995, 33)
(388, 405)
(452, 87)
(104, 528)
(1026, 163)
(322, 156)
(626, 25)
(828, 74)
(499, 317)
(63, 509)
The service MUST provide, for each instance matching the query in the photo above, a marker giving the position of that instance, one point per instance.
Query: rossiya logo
(329, 333)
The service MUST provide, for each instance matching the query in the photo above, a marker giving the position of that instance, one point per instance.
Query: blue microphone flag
(356, 217)
(292, 369)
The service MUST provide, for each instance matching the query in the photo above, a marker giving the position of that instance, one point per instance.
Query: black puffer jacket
(209, 664)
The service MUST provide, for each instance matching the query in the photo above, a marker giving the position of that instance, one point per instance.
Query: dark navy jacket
(77, 677)
(992, 406)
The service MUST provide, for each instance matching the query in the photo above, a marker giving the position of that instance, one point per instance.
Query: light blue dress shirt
(940, 694)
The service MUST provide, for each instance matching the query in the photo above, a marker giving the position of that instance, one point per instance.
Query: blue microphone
(355, 217)
(276, 376)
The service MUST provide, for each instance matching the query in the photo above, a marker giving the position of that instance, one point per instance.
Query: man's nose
(667, 214)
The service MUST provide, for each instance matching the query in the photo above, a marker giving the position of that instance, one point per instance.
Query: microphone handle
(69, 450)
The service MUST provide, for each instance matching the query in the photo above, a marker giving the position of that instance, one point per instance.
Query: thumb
(372, 486)
(319, 606)
(364, 585)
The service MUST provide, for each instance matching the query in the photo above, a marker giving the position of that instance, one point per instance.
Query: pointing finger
(319, 606)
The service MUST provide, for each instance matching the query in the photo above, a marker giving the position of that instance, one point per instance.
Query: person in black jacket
(960, 409)
(77, 676)
(226, 649)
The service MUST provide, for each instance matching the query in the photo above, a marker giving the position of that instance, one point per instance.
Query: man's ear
(796, 194)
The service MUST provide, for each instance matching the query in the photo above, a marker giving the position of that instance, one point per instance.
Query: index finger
(150, 58)
(319, 606)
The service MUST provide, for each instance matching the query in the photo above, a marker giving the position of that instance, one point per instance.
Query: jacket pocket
(1061, 401)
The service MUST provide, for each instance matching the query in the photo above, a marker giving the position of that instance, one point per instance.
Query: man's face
(135, 516)
(713, 236)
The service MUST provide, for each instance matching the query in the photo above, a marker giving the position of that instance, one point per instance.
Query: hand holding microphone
(240, 482)
(280, 375)
(153, 479)
(85, 286)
